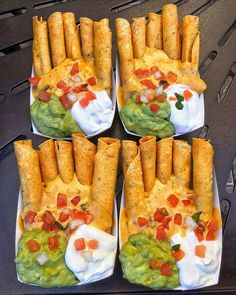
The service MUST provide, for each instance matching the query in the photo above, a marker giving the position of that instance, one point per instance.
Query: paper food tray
(216, 204)
(19, 232)
(113, 98)
(201, 115)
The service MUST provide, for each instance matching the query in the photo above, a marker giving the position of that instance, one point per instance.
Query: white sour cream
(100, 264)
(195, 272)
(192, 114)
(97, 116)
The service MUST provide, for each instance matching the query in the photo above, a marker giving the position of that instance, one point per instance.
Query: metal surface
(218, 68)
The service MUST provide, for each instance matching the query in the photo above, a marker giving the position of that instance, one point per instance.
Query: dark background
(218, 68)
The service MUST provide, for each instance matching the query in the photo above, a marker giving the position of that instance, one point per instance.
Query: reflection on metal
(204, 67)
(221, 96)
(2, 98)
(11, 13)
(126, 5)
(231, 182)
(227, 35)
(204, 131)
(225, 208)
(8, 148)
(20, 87)
(45, 4)
(203, 7)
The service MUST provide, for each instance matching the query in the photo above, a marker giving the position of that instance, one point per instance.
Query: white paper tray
(216, 203)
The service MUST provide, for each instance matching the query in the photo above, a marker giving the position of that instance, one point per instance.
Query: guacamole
(135, 257)
(54, 273)
(140, 119)
(52, 119)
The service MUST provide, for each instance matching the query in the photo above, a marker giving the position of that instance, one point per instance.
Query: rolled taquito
(65, 161)
(56, 33)
(182, 161)
(104, 178)
(73, 49)
(84, 152)
(103, 53)
(190, 31)
(138, 29)
(29, 171)
(147, 146)
(129, 151)
(41, 54)
(47, 160)
(202, 152)
(196, 50)
(164, 159)
(154, 31)
(171, 36)
(125, 49)
(86, 33)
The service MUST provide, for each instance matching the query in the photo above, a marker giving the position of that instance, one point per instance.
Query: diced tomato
(158, 215)
(202, 225)
(63, 217)
(200, 251)
(154, 107)
(178, 219)
(166, 222)
(84, 102)
(75, 200)
(79, 244)
(139, 73)
(80, 88)
(55, 227)
(211, 235)
(34, 80)
(154, 69)
(178, 255)
(155, 263)
(199, 234)
(186, 202)
(166, 269)
(53, 242)
(90, 95)
(93, 244)
(62, 85)
(88, 218)
(165, 85)
(148, 84)
(143, 222)
(75, 69)
(213, 225)
(29, 217)
(33, 246)
(61, 200)
(48, 217)
(160, 233)
(44, 95)
(46, 227)
(91, 81)
(78, 215)
(187, 94)
(160, 98)
(137, 100)
(66, 103)
(172, 98)
(173, 200)
(172, 77)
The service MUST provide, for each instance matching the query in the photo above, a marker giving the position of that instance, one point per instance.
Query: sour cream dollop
(91, 265)
(192, 114)
(195, 272)
(97, 116)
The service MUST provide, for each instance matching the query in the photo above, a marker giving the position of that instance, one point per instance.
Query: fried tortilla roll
(73, 49)
(65, 161)
(154, 31)
(104, 179)
(182, 161)
(202, 152)
(124, 44)
(30, 178)
(41, 54)
(103, 52)
(56, 33)
(190, 31)
(86, 33)
(196, 50)
(129, 151)
(147, 147)
(47, 160)
(138, 28)
(164, 159)
(171, 42)
(84, 152)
